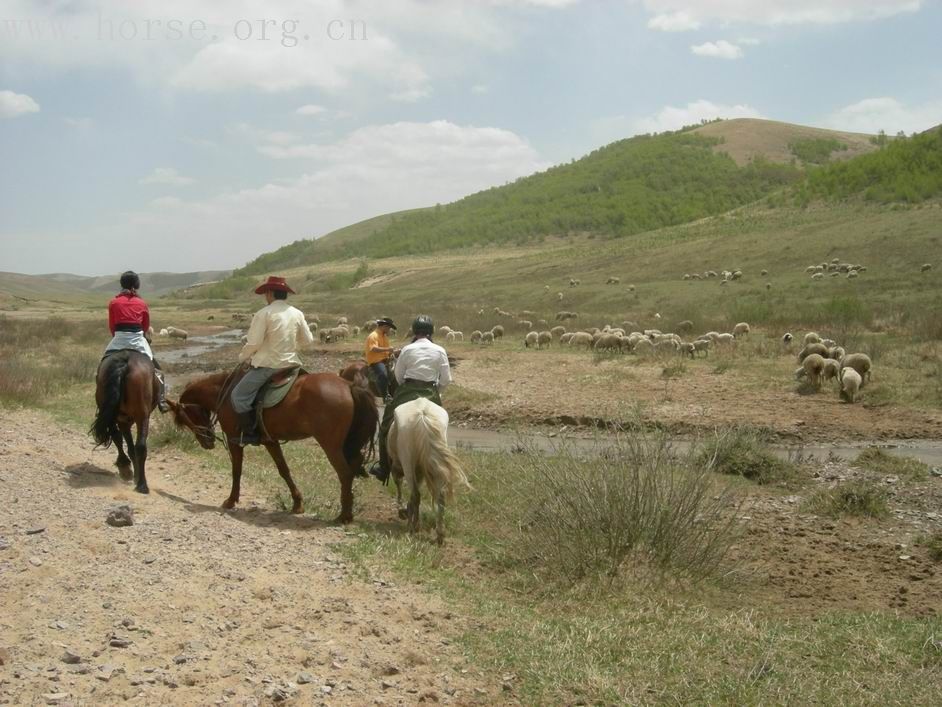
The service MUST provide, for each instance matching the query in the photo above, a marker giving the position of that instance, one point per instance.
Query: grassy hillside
(745, 139)
(309, 251)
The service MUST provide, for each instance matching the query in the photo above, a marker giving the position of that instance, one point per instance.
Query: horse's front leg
(397, 478)
(274, 449)
(440, 517)
(235, 454)
(121, 439)
(140, 456)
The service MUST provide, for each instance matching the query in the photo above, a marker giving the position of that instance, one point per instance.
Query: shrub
(743, 452)
(856, 498)
(933, 545)
(633, 504)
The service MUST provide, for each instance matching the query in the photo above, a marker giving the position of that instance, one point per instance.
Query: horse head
(195, 418)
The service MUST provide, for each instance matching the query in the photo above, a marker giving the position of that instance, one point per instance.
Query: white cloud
(311, 109)
(168, 176)
(372, 170)
(16, 104)
(675, 15)
(479, 89)
(720, 49)
(749, 41)
(674, 22)
(874, 114)
(668, 118)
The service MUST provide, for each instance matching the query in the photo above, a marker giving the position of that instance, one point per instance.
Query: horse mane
(194, 388)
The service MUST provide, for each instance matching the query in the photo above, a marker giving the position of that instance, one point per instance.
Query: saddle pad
(275, 393)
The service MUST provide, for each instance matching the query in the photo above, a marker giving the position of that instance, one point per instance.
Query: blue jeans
(382, 377)
(243, 395)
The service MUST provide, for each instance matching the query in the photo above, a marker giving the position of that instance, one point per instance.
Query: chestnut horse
(360, 367)
(340, 415)
(126, 394)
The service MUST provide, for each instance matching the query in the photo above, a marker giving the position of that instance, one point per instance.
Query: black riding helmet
(422, 326)
(130, 280)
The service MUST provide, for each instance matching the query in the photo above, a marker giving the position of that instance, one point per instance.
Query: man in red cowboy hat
(276, 333)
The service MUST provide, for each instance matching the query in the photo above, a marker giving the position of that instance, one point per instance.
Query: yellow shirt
(376, 338)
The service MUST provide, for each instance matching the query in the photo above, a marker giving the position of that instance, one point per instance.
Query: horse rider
(276, 333)
(377, 352)
(422, 371)
(129, 322)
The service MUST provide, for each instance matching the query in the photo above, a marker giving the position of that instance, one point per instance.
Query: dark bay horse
(340, 415)
(126, 394)
(360, 367)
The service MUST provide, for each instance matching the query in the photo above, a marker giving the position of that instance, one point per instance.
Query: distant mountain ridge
(69, 287)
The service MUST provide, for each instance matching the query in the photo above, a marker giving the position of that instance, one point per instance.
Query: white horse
(418, 450)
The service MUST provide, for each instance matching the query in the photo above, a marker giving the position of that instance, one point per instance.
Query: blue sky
(193, 152)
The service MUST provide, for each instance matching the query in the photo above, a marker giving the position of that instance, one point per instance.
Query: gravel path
(191, 605)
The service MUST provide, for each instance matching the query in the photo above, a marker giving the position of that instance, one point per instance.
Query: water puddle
(197, 346)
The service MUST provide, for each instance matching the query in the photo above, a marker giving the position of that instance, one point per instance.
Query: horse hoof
(125, 473)
(142, 489)
(298, 509)
(228, 504)
(342, 519)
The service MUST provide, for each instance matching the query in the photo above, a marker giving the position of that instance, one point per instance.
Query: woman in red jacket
(129, 322)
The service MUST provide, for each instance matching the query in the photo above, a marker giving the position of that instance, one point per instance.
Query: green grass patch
(933, 544)
(855, 498)
(881, 462)
(743, 452)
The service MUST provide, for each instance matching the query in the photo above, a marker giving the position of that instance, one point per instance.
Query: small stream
(925, 450)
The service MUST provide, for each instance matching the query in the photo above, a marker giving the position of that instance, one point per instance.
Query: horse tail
(363, 426)
(105, 425)
(433, 456)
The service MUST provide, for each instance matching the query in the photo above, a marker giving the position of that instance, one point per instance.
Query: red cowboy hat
(273, 283)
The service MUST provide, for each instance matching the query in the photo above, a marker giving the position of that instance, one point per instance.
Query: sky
(197, 134)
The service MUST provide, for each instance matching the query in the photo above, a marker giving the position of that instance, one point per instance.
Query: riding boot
(161, 392)
(381, 468)
(248, 426)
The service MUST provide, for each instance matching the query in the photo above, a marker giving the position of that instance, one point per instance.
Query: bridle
(209, 430)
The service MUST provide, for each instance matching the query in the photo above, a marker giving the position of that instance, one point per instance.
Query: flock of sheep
(823, 360)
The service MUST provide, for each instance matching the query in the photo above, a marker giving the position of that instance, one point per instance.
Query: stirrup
(380, 473)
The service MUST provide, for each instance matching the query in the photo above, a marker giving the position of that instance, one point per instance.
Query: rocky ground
(190, 605)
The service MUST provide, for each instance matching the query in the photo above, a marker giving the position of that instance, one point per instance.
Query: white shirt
(276, 334)
(424, 361)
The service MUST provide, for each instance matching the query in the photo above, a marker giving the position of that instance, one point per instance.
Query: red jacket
(128, 308)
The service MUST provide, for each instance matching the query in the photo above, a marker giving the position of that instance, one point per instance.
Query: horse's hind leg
(140, 456)
(413, 509)
(121, 438)
(440, 516)
(275, 450)
(345, 475)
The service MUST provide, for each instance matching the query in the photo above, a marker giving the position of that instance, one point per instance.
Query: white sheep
(741, 329)
(175, 333)
(476, 336)
(926, 267)
(811, 338)
(487, 338)
(544, 339)
(813, 367)
(557, 331)
(831, 369)
(861, 363)
(581, 338)
(565, 337)
(531, 339)
(851, 383)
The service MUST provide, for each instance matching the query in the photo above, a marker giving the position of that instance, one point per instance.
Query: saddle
(277, 387)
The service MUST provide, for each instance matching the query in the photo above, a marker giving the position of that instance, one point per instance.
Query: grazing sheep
(369, 326)
(686, 276)
(737, 274)
(450, 337)
(312, 326)
(459, 335)
(581, 338)
(810, 349)
(531, 339)
(644, 347)
(813, 367)
(559, 296)
(324, 335)
(557, 331)
(356, 331)
(861, 363)
(476, 336)
(498, 332)
(444, 330)
(725, 339)
(524, 324)
(563, 315)
(926, 267)
(338, 333)
(851, 383)
(341, 321)
(702, 346)
(608, 342)
(487, 337)
(811, 338)
(764, 272)
(613, 281)
(631, 288)
(688, 349)
(163, 332)
(565, 337)
(787, 339)
(852, 274)
(831, 369)
(740, 329)
(811, 269)
(240, 317)
(572, 282)
(836, 352)
(175, 333)
(686, 326)
(544, 339)
(817, 276)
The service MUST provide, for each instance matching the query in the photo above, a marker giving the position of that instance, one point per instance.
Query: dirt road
(191, 605)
